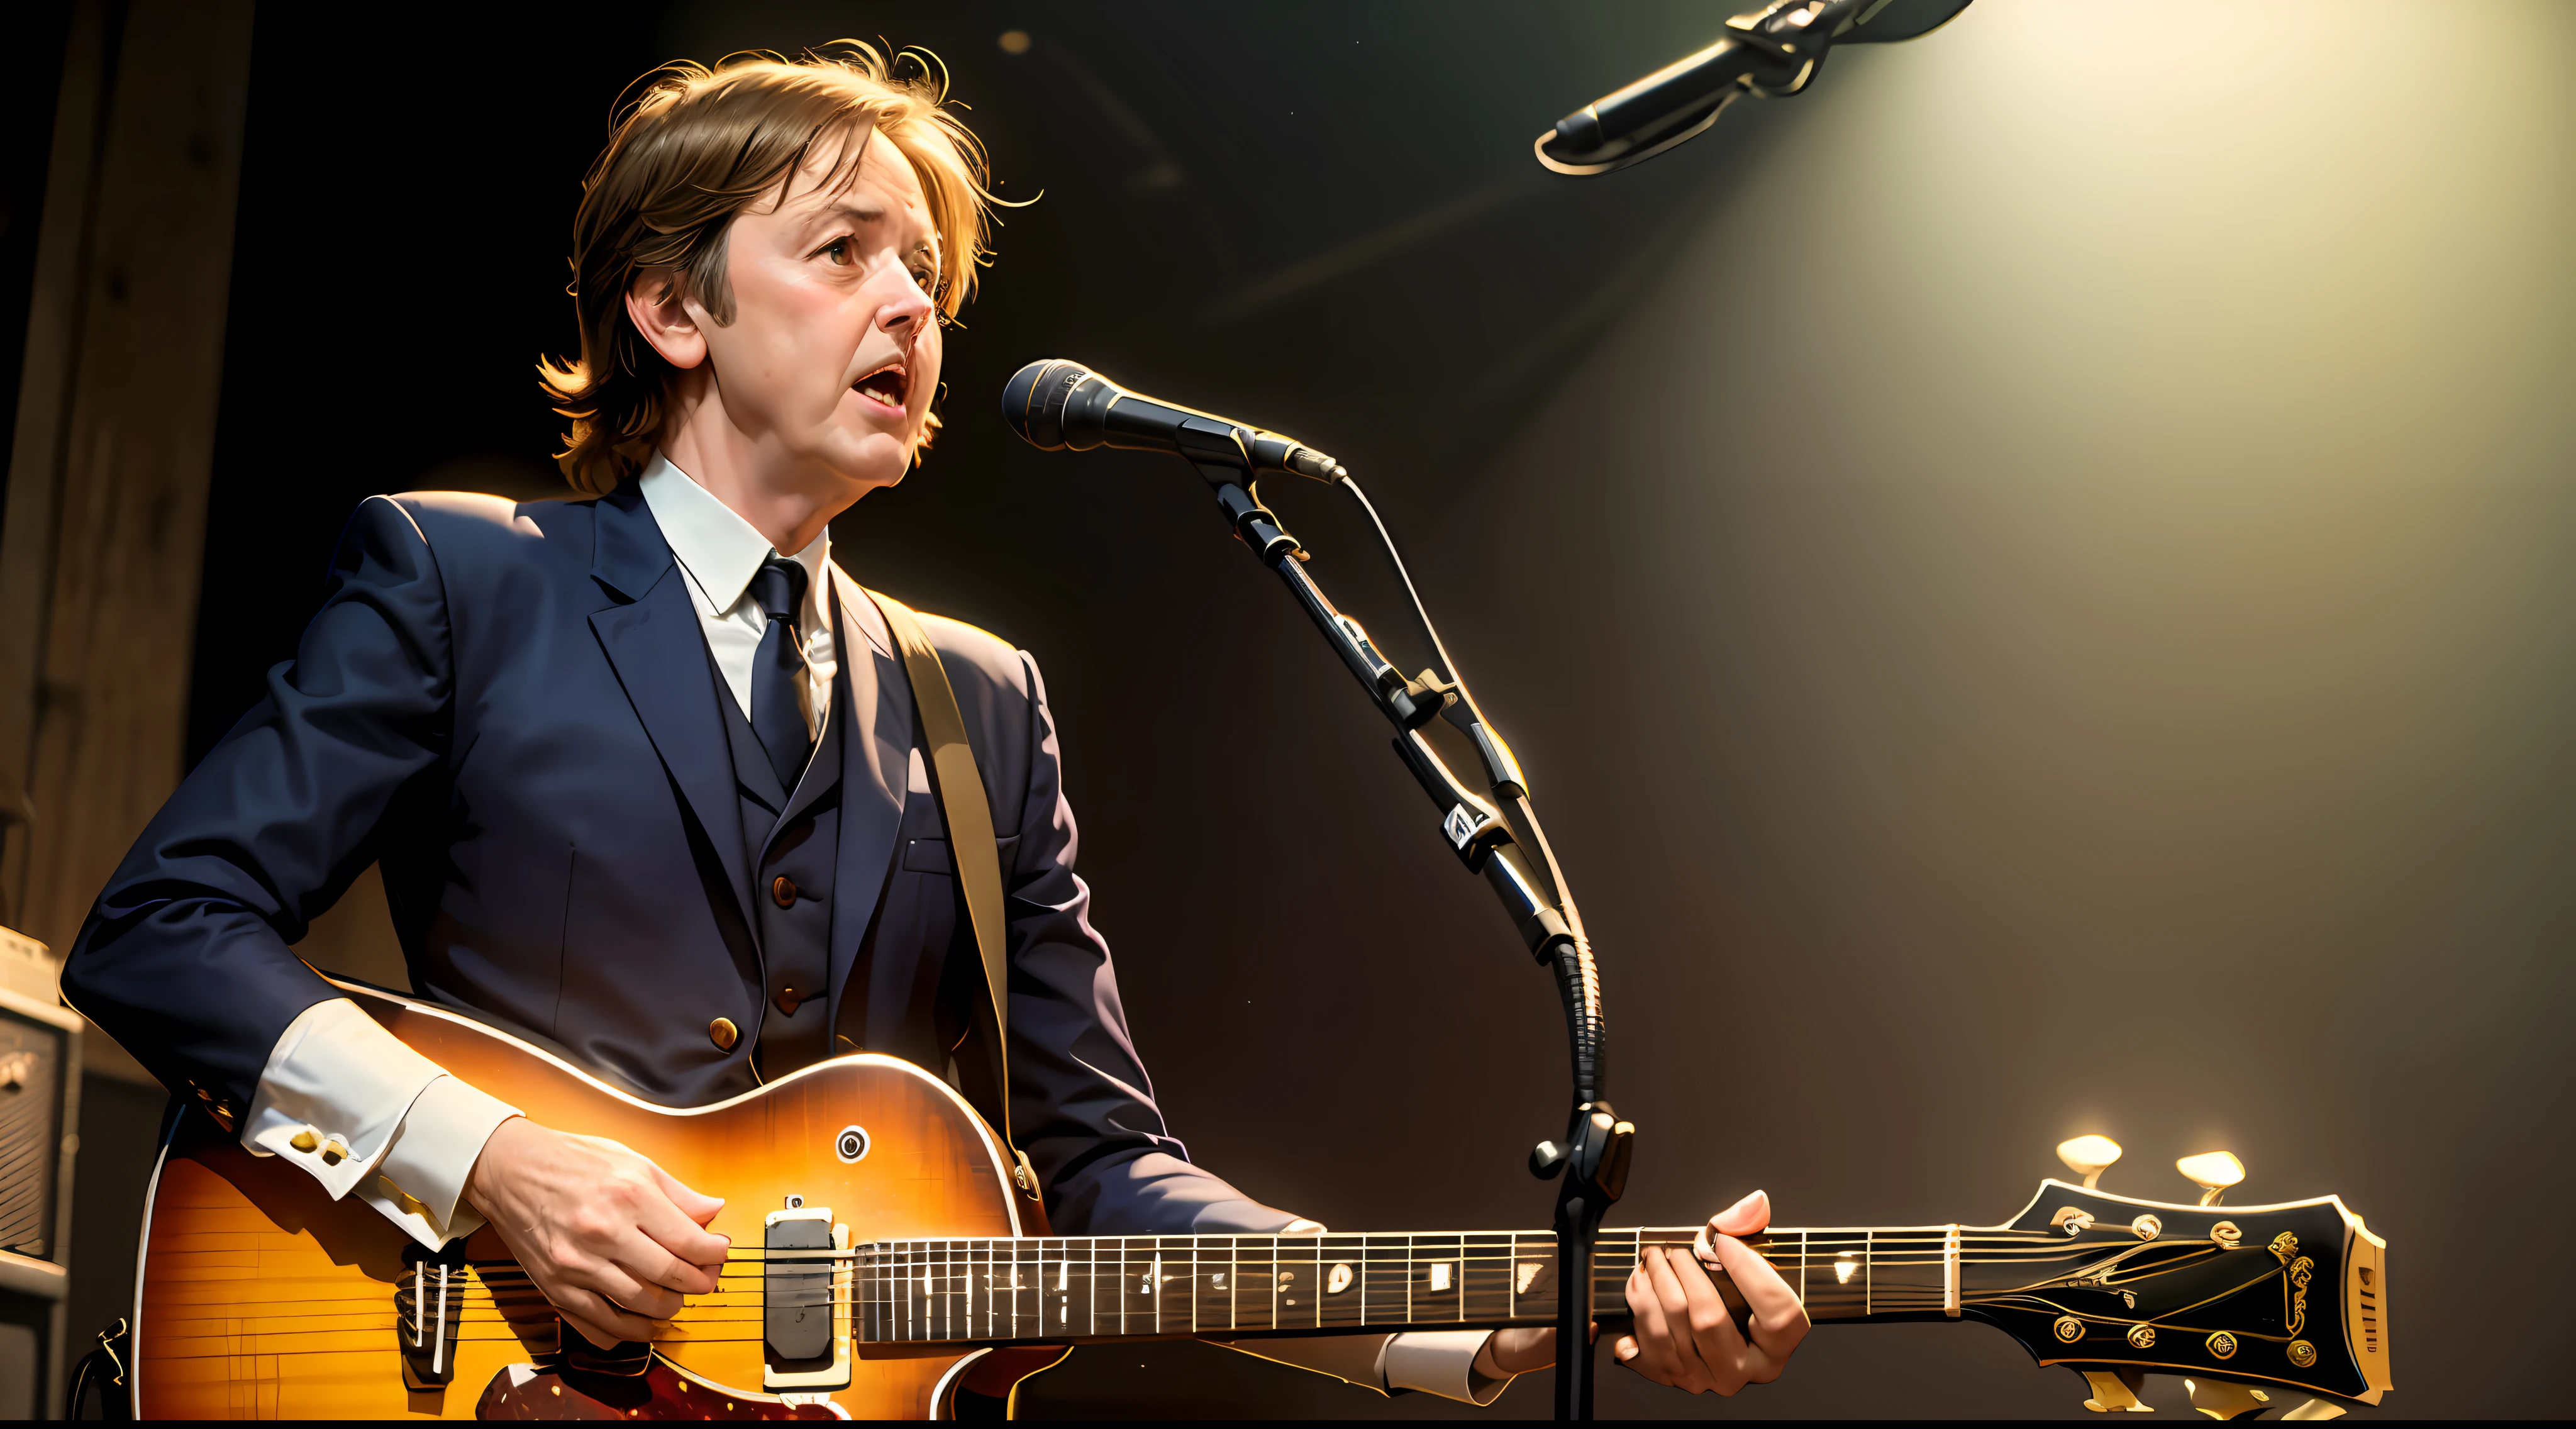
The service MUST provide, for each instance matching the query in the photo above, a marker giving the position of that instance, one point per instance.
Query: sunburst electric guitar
(883, 1261)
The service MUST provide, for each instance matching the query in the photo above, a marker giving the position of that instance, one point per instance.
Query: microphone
(1058, 405)
(1774, 50)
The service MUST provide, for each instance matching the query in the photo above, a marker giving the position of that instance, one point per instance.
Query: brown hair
(701, 145)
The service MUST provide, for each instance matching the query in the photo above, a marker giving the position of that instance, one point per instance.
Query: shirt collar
(720, 550)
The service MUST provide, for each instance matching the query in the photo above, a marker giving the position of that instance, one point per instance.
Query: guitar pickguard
(532, 1391)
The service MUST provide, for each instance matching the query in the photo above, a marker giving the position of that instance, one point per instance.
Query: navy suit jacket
(511, 709)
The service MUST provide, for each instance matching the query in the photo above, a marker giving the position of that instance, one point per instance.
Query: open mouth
(887, 384)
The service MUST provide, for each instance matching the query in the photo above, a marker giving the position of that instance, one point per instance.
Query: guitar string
(265, 1339)
(967, 1282)
(957, 1264)
(1620, 1261)
(1872, 1246)
(491, 1275)
(1897, 1298)
(869, 1297)
(1779, 1238)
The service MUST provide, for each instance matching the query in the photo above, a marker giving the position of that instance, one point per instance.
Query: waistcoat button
(723, 1033)
(783, 891)
(788, 999)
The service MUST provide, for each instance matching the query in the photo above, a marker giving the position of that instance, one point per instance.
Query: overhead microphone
(1058, 406)
(1773, 49)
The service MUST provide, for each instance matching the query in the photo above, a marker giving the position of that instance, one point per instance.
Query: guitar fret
(1028, 1259)
(1145, 1263)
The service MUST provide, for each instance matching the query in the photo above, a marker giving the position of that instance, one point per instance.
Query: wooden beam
(110, 463)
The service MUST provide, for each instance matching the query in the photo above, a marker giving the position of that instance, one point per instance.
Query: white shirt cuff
(333, 1098)
(420, 1184)
(1442, 1362)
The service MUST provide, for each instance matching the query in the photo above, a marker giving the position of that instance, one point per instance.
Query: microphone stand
(1592, 1161)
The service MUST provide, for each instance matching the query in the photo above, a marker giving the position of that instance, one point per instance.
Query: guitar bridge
(805, 1301)
(429, 1303)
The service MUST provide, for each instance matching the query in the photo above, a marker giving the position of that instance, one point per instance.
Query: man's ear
(667, 319)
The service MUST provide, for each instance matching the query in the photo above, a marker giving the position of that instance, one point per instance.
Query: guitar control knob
(2213, 1172)
(2089, 1157)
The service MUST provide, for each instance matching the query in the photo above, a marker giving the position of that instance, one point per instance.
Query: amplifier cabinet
(39, 1109)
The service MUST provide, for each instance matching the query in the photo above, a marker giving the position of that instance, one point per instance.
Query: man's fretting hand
(1684, 1337)
(611, 1239)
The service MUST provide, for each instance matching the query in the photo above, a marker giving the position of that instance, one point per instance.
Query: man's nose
(906, 311)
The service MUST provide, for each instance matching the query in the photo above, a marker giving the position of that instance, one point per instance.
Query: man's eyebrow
(855, 212)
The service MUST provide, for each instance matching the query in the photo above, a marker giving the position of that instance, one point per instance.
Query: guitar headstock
(2252, 1301)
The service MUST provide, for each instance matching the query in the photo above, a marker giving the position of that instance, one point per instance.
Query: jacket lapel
(876, 759)
(652, 639)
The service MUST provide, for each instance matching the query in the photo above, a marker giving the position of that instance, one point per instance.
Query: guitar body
(260, 1297)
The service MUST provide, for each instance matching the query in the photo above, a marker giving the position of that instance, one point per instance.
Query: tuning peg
(2224, 1399)
(2089, 1157)
(2116, 1391)
(2213, 1172)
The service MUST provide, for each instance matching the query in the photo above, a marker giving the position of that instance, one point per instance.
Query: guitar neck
(1055, 1289)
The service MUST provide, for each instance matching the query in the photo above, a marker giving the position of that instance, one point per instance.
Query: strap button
(783, 891)
(723, 1033)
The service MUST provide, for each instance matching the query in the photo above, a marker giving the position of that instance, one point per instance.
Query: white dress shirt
(719, 553)
(348, 1102)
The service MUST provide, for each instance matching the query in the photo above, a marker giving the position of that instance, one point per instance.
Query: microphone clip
(1787, 34)
(1254, 524)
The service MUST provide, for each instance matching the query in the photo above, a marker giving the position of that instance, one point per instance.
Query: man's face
(832, 357)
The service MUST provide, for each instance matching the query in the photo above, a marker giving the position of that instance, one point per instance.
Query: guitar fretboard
(1054, 1289)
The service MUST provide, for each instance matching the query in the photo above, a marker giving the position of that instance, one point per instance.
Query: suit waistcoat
(791, 843)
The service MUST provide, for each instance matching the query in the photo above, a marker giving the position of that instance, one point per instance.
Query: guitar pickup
(805, 1300)
(429, 1303)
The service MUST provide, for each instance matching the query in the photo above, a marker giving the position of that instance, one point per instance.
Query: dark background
(2031, 582)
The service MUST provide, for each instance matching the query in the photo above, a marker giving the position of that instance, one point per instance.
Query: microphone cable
(1579, 976)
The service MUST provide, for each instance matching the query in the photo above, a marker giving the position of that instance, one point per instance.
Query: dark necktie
(778, 671)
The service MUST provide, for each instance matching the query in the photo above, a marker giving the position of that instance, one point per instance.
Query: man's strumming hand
(1684, 1337)
(612, 1240)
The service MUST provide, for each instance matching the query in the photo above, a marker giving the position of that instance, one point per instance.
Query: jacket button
(783, 891)
(723, 1033)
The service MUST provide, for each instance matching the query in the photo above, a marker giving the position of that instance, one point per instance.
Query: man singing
(643, 775)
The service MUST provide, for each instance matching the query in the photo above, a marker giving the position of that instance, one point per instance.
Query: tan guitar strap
(958, 785)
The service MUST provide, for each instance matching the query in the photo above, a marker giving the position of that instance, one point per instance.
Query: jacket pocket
(932, 855)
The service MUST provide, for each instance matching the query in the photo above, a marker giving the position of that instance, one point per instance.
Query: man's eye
(838, 250)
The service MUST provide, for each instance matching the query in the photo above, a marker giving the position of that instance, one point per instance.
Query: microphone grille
(1033, 400)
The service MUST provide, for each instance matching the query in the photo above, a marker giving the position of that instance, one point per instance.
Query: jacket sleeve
(1081, 1104)
(185, 958)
